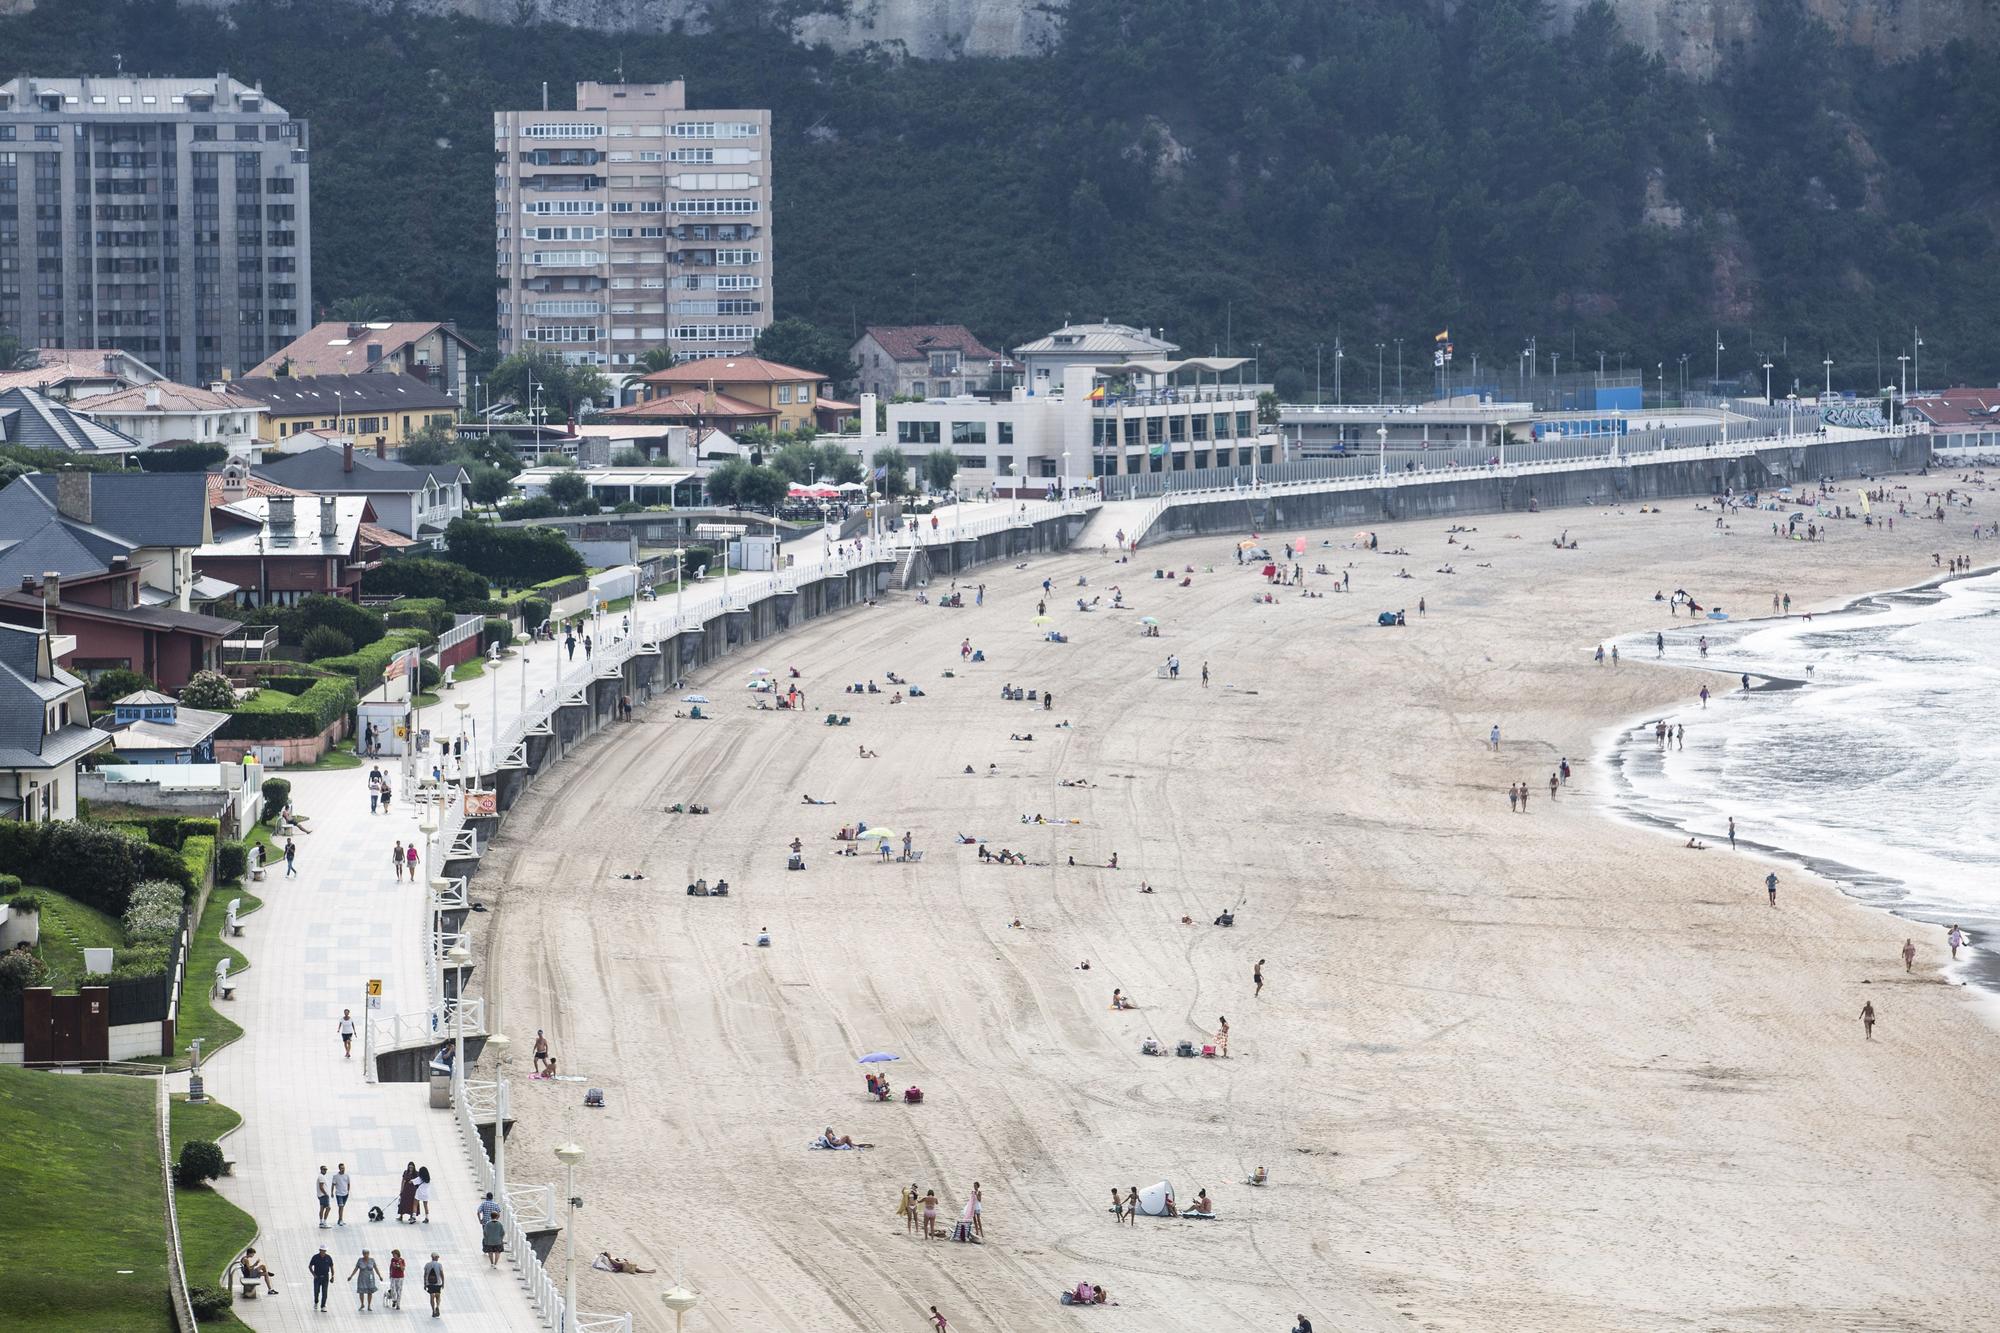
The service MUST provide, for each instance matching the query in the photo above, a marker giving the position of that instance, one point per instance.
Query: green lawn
(84, 1223)
(68, 928)
(213, 1230)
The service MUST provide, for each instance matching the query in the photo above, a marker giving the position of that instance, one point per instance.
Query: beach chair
(1184, 1049)
(913, 1096)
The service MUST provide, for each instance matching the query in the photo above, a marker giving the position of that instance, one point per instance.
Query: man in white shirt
(342, 1184)
(325, 1192)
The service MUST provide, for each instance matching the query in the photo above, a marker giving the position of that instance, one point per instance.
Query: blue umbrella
(876, 1058)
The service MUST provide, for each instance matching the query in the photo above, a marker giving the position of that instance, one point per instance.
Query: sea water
(1868, 747)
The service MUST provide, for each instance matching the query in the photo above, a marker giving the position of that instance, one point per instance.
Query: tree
(940, 467)
(563, 390)
(657, 358)
(432, 446)
(568, 489)
(795, 342)
(325, 641)
(116, 683)
(183, 458)
(838, 464)
(207, 689)
(1267, 408)
(511, 557)
(489, 484)
(628, 457)
(14, 355)
(454, 585)
(725, 483)
(369, 308)
(890, 463)
(533, 506)
(764, 487)
(799, 461)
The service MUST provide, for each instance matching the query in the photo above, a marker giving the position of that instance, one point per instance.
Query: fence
(177, 1282)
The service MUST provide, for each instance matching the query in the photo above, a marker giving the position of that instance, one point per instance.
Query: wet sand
(1541, 1071)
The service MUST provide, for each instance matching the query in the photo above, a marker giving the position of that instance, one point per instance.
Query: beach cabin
(153, 728)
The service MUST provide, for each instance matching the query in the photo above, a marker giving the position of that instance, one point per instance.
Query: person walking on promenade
(321, 1268)
(291, 859)
(434, 1283)
(343, 1185)
(1771, 887)
(398, 1267)
(374, 789)
(325, 1192)
(569, 643)
(492, 1236)
(396, 860)
(1909, 955)
(424, 1192)
(347, 1032)
(367, 1276)
(410, 860)
(1868, 1019)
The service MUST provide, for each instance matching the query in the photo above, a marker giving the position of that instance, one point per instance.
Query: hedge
(367, 665)
(534, 612)
(280, 716)
(440, 580)
(276, 792)
(232, 859)
(198, 855)
(425, 613)
(170, 831)
(96, 864)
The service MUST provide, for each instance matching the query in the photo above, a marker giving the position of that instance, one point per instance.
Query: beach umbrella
(694, 698)
(876, 1058)
(1044, 620)
(1245, 545)
(760, 671)
(1149, 620)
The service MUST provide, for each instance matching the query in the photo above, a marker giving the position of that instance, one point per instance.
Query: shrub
(97, 864)
(208, 689)
(209, 1304)
(19, 971)
(454, 585)
(360, 624)
(276, 792)
(117, 683)
(497, 631)
(366, 665)
(154, 913)
(200, 1162)
(325, 641)
(429, 676)
(534, 611)
(325, 702)
(184, 457)
(425, 613)
(231, 860)
(198, 855)
(10, 886)
(137, 962)
(697, 557)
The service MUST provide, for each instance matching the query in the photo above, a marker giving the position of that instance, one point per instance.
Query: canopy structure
(1153, 1198)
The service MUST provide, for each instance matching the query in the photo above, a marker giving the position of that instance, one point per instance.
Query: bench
(223, 984)
(235, 926)
(450, 678)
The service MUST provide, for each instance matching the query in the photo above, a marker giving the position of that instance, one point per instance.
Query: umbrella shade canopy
(760, 671)
(1044, 620)
(1245, 545)
(880, 835)
(876, 1058)
(694, 698)
(1149, 620)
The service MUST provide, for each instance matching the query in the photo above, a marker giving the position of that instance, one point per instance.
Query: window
(728, 180)
(1006, 429)
(562, 130)
(709, 129)
(1155, 430)
(968, 432)
(711, 207)
(917, 389)
(743, 333)
(734, 258)
(785, 393)
(917, 432)
(1243, 423)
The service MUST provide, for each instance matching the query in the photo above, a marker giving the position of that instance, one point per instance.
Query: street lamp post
(1662, 366)
(1339, 355)
(460, 959)
(1382, 452)
(1399, 369)
(1717, 386)
(496, 1046)
(1903, 366)
(571, 1156)
(1378, 372)
(1828, 363)
(464, 706)
(1318, 348)
(680, 1300)
(1767, 383)
(1791, 406)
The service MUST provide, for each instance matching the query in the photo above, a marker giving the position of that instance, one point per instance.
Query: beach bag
(1185, 1049)
(1150, 1046)
(594, 1098)
(913, 1095)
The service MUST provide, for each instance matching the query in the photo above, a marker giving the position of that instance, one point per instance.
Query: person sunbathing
(810, 801)
(1119, 1000)
(867, 753)
(605, 1262)
(1259, 1178)
(832, 1140)
(1202, 1205)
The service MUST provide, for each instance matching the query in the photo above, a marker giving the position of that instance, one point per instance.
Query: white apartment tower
(631, 222)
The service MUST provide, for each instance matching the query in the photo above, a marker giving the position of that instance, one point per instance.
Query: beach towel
(821, 1144)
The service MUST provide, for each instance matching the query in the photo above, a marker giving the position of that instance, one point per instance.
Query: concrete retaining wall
(1624, 483)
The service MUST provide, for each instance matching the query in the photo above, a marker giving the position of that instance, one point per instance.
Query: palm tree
(657, 358)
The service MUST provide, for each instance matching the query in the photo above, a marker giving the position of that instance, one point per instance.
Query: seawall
(1499, 493)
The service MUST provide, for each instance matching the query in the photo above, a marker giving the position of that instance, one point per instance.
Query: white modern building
(1119, 418)
(1044, 360)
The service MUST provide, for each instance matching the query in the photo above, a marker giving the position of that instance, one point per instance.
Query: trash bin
(441, 1092)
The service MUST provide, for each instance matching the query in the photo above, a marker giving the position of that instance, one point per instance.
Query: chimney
(280, 513)
(382, 447)
(329, 521)
(28, 584)
(111, 364)
(232, 484)
(73, 495)
(51, 590)
(152, 397)
(121, 564)
(347, 457)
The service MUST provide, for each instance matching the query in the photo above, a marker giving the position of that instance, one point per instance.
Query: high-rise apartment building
(632, 222)
(169, 218)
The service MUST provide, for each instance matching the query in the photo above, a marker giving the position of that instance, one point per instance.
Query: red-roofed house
(431, 351)
(926, 361)
(66, 374)
(165, 413)
(782, 396)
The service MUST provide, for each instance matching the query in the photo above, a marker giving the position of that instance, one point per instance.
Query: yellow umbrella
(1044, 620)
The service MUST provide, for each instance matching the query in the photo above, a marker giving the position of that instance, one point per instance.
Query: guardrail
(1361, 478)
(177, 1281)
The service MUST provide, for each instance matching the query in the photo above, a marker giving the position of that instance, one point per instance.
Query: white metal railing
(1420, 476)
(177, 1281)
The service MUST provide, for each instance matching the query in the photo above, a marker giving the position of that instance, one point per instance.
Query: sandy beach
(1508, 1071)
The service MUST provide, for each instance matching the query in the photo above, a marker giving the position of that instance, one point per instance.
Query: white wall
(129, 1041)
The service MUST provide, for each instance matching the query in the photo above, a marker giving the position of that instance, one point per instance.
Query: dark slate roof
(24, 693)
(326, 395)
(164, 618)
(143, 508)
(52, 546)
(32, 421)
(325, 470)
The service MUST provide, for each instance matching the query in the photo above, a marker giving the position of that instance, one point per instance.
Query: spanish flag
(1444, 337)
(1097, 394)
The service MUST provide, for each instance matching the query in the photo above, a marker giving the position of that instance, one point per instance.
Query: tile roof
(60, 365)
(28, 418)
(691, 403)
(1958, 407)
(339, 348)
(915, 342)
(142, 508)
(172, 398)
(324, 470)
(314, 395)
(731, 370)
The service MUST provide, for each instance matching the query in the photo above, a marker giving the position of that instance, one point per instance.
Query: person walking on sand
(1554, 782)
(434, 1283)
(1257, 977)
(347, 1032)
(1513, 798)
(978, 1211)
(1222, 1037)
(396, 860)
(1732, 833)
(1493, 738)
(366, 1276)
(1909, 955)
(1771, 887)
(930, 1206)
(1117, 1205)
(1204, 675)
(1659, 644)
(938, 1321)
(906, 1208)
(1868, 1019)
(541, 1050)
(1132, 1205)
(1704, 696)
(1955, 939)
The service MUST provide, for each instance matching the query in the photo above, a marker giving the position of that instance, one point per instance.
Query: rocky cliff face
(1693, 35)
